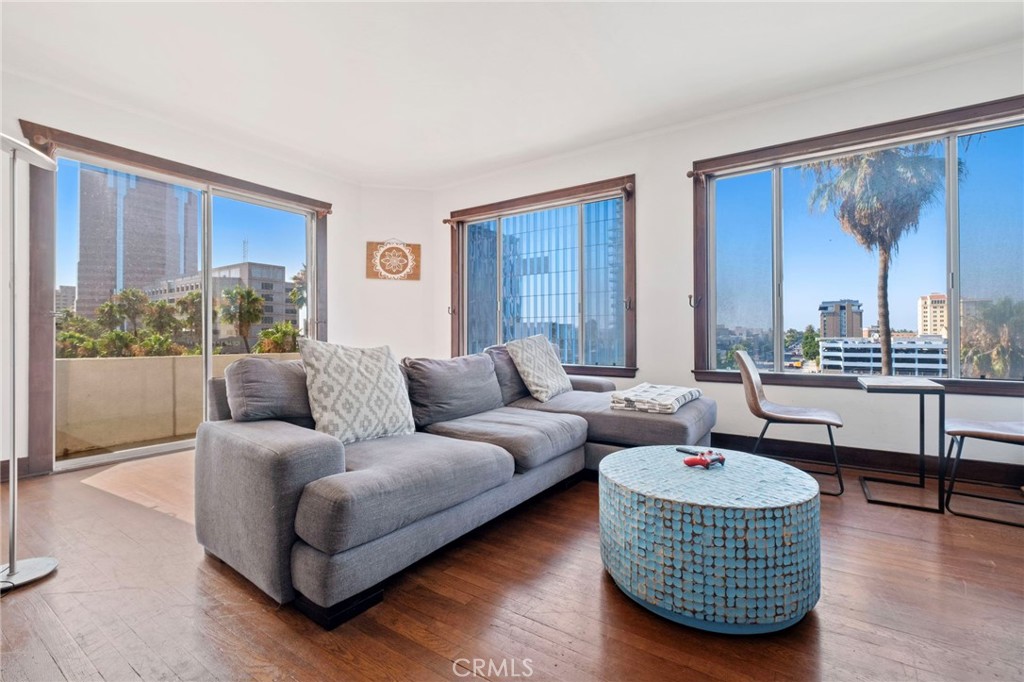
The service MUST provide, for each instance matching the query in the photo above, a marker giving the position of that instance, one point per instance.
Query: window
(895, 249)
(147, 251)
(560, 264)
(266, 286)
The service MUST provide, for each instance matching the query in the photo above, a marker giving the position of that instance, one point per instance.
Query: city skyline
(821, 262)
(269, 235)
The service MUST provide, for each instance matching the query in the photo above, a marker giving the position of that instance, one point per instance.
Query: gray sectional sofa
(310, 520)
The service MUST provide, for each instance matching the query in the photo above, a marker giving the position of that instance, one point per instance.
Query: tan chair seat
(1004, 432)
(799, 415)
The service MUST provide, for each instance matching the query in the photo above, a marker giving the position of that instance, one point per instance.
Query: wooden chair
(960, 430)
(773, 413)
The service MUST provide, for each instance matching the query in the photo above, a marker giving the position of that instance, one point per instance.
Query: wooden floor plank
(905, 596)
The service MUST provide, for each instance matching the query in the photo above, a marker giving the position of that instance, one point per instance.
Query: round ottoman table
(733, 549)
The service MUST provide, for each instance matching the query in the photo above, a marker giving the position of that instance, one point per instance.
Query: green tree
(190, 307)
(992, 343)
(160, 317)
(809, 344)
(116, 343)
(156, 344)
(283, 337)
(110, 315)
(793, 338)
(72, 344)
(69, 321)
(134, 304)
(242, 307)
(298, 294)
(728, 360)
(877, 198)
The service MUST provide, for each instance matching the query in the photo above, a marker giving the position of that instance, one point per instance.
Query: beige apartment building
(932, 316)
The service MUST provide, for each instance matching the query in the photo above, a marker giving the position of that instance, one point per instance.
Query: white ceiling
(424, 94)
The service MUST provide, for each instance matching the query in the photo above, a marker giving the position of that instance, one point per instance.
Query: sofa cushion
(440, 390)
(392, 482)
(512, 386)
(604, 425)
(355, 393)
(261, 388)
(532, 437)
(539, 366)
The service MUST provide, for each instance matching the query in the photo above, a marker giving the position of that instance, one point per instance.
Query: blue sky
(821, 262)
(275, 236)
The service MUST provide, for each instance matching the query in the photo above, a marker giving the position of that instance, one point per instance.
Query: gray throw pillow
(512, 386)
(441, 390)
(261, 388)
(355, 394)
(539, 366)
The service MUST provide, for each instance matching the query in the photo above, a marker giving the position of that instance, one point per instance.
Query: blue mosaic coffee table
(733, 549)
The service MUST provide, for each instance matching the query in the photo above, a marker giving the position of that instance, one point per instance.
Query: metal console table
(921, 388)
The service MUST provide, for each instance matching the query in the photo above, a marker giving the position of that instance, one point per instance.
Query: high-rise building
(840, 319)
(132, 232)
(64, 298)
(932, 316)
(267, 280)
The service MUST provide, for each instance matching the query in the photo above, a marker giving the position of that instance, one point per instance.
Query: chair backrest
(752, 388)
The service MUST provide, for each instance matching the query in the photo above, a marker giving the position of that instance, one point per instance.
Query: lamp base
(29, 570)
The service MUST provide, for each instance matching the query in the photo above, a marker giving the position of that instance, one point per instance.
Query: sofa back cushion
(261, 388)
(355, 394)
(512, 386)
(441, 390)
(540, 367)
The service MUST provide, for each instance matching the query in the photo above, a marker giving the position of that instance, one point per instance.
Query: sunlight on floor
(162, 483)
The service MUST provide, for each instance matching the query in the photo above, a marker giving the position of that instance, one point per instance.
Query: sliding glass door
(131, 351)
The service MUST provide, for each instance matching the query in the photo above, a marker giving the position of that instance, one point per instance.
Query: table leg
(941, 451)
(920, 440)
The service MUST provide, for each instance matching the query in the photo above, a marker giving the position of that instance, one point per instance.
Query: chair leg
(759, 438)
(952, 482)
(952, 464)
(835, 459)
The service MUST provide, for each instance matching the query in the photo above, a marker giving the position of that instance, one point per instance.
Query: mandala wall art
(392, 259)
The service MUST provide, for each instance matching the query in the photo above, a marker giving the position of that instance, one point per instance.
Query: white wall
(412, 316)
(665, 234)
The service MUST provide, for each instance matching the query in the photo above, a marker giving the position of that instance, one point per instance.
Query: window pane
(119, 238)
(604, 285)
(258, 251)
(540, 278)
(481, 285)
(743, 269)
(991, 204)
(850, 225)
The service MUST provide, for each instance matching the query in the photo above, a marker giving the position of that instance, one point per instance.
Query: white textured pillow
(539, 366)
(355, 393)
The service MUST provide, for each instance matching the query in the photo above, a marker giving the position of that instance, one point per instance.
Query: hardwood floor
(905, 596)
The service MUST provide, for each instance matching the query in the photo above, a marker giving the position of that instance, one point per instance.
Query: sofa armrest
(249, 478)
(592, 384)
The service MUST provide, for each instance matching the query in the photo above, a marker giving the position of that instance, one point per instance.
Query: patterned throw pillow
(539, 366)
(355, 393)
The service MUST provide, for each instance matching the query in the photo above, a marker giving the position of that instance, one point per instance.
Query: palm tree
(242, 307)
(160, 318)
(298, 294)
(190, 306)
(281, 338)
(134, 303)
(110, 315)
(877, 198)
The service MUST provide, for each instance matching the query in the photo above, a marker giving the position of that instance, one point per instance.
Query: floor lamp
(18, 573)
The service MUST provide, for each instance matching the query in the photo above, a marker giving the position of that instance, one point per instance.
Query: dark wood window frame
(42, 226)
(578, 193)
(703, 169)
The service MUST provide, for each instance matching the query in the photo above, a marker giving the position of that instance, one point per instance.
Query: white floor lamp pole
(18, 573)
